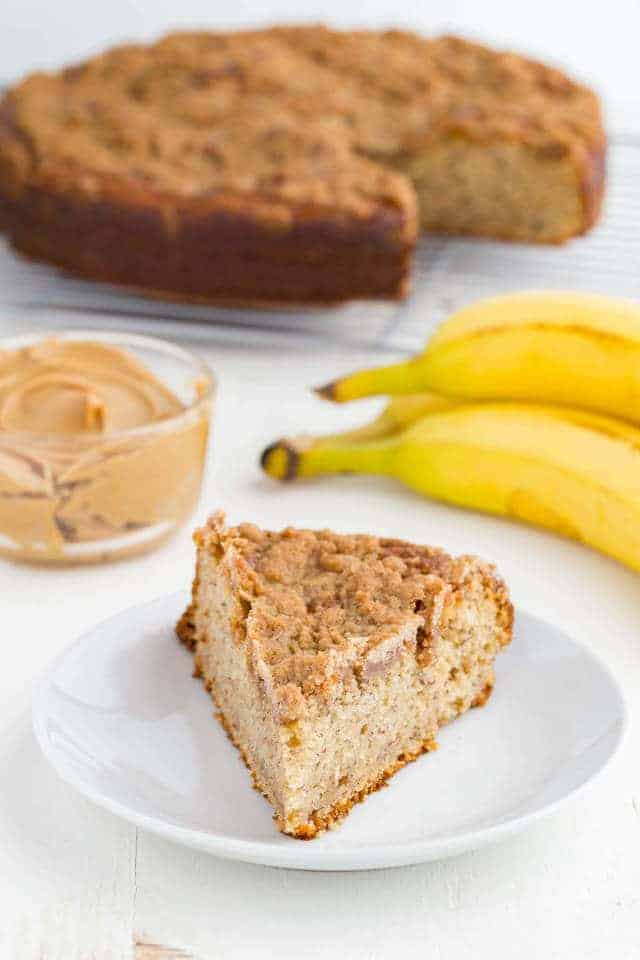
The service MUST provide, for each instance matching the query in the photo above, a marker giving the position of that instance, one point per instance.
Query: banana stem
(397, 378)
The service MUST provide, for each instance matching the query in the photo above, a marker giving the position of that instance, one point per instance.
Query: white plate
(121, 719)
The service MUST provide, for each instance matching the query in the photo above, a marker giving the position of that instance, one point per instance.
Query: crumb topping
(296, 114)
(317, 605)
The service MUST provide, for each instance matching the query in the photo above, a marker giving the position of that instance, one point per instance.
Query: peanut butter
(93, 448)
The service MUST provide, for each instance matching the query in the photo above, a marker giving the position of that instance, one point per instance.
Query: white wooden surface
(77, 884)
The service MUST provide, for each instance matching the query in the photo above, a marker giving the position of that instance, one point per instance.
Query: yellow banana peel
(552, 348)
(571, 471)
(399, 413)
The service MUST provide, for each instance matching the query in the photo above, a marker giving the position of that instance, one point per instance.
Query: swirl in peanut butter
(63, 387)
(71, 469)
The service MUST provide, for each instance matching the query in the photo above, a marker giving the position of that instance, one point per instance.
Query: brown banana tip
(280, 460)
(328, 391)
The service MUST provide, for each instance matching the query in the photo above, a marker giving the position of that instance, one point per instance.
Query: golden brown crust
(186, 629)
(483, 696)
(257, 166)
(228, 247)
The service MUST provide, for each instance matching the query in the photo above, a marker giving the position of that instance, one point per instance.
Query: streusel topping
(316, 605)
(295, 113)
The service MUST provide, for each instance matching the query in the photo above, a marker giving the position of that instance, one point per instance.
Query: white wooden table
(77, 884)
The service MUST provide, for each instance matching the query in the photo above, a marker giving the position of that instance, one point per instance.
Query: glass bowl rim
(120, 338)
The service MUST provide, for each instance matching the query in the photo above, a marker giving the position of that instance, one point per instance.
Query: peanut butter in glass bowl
(103, 439)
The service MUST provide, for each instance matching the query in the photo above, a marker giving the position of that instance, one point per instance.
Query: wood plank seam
(146, 950)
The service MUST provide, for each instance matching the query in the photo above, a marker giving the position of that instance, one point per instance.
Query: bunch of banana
(518, 422)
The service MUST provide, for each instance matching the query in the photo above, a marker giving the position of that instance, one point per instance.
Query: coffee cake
(293, 164)
(333, 660)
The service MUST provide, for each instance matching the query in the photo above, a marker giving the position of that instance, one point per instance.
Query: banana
(571, 471)
(399, 413)
(550, 348)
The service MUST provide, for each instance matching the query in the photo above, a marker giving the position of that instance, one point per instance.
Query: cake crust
(287, 165)
(310, 642)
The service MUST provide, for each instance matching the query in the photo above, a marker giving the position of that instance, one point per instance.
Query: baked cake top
(288, 113)
(313, 606)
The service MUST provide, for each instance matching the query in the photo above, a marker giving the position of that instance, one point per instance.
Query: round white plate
(121, 718)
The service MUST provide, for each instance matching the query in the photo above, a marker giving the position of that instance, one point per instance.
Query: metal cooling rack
(447, 274)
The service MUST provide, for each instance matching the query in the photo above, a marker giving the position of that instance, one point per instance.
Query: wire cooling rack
(447, 274)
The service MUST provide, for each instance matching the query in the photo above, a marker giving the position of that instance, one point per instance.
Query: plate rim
(301, 856)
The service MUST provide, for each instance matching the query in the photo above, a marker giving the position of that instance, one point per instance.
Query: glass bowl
(87, 497)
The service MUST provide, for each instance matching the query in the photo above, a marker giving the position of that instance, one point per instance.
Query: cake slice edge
(314, 765)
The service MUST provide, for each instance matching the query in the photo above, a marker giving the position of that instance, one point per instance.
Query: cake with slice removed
(333, 660)
(291, 164)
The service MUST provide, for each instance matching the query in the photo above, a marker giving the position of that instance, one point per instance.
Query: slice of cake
(334, 659)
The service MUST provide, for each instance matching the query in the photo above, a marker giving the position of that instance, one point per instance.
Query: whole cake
(333, 660)
(291, 165)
